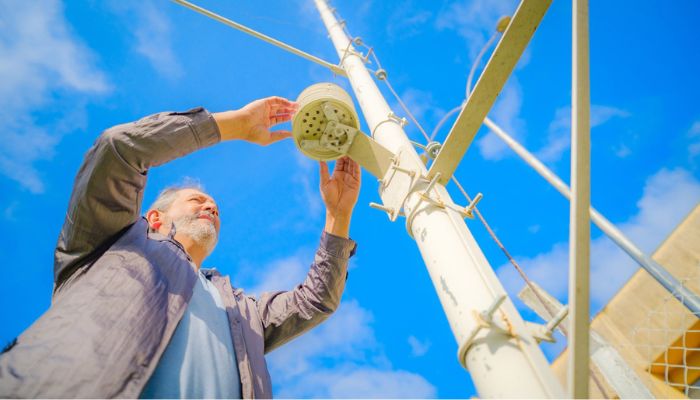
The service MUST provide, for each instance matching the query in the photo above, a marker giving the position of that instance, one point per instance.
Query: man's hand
(252, 123)
(339, 193)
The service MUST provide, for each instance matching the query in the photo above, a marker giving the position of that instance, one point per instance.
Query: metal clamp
(391, 117)
(484, 320)
(424, 196)
(399, 120)
(395, 167)
(380, 74)
(349, 51)
(432, 149)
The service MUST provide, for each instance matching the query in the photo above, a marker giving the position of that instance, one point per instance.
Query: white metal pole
(658, 272)
(579, 226)
(263, 37)
(502, 362)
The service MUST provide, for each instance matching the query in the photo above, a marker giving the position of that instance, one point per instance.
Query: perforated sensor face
(318, 105)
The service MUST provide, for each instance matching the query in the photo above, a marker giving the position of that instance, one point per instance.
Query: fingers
(280, 118)
(276, 136)
(325, 175)
(355, 169)
(340, 164)
(280, 102)
(281, 109)
(348, 165)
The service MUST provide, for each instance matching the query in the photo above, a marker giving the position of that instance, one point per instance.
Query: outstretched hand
(252, 123)
(341, 190)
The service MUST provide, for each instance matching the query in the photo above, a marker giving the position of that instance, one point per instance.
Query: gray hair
(168, 195)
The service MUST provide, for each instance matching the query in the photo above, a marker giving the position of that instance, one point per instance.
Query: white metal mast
(579, 224)
(494, 343)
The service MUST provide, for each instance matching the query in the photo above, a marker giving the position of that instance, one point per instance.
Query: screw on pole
(557, 319)
(469, 210)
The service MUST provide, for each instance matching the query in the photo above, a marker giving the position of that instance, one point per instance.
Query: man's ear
(155, 220)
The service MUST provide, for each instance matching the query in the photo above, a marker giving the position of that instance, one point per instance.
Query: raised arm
(286, 315)
(108, 189)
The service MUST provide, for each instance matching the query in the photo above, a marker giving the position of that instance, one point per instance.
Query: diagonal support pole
(502, 62)
(235, 25)
(657, 271)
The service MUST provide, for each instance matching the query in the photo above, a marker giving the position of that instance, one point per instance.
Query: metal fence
(668, 341)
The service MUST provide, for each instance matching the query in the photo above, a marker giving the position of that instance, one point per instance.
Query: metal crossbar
(333, 67)
(502, 62)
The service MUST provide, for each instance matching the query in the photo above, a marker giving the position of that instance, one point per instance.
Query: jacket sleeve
(286, 315)
(108, 189)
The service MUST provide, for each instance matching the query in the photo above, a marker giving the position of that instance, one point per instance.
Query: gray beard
(201, 232)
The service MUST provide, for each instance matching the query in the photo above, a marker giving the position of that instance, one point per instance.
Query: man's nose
(211, 207)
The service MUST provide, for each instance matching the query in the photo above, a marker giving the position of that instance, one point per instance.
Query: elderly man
(133, 314)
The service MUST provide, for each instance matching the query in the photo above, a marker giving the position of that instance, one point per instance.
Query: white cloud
(341, 358)
(622, 151)
(10, 211)
(505, 113)
(474, 20)
(669, 195)
(418, 347)
(694, 130)
(406, 21)
(309, 196)
(281, 274)
(41, 60)
(534, 228)
(152, 32)
(559, 132)
(421, 104)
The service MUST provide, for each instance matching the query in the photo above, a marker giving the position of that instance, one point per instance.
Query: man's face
(194, 205)
(196, 216)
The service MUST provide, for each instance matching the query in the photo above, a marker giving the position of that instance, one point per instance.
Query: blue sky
(71, 69)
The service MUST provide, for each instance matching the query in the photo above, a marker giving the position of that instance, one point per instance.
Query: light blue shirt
(199, 361)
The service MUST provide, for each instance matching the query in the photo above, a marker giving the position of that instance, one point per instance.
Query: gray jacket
(120, 290)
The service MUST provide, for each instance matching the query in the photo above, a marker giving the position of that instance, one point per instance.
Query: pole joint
(391, 117)
(484, 320)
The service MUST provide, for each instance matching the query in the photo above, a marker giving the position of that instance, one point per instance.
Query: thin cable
(336, 69)
(562, 327)
(396, 95)
(507, 254)
(470, 78)
(477, 62)
(408, 112)
(443, 120)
